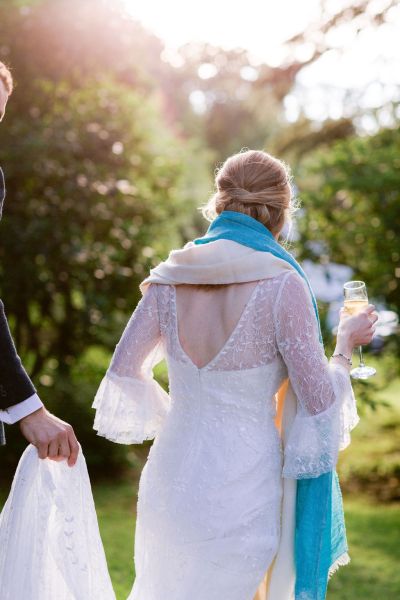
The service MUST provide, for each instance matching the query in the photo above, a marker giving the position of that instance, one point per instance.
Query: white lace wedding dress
(50, 546)
(208, 512)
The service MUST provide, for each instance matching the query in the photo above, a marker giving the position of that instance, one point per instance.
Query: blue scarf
(320, 534)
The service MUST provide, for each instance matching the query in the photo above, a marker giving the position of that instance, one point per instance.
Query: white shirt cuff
(14, 413)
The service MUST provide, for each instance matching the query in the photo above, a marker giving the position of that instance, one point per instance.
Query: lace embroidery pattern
(277, 328)
(251, 343)
(326, 407)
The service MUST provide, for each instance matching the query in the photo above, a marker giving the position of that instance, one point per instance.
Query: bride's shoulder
(285, 278)
(285, 287)
(292, 292)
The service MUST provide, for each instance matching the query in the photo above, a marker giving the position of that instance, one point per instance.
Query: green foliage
(97, 192)
(350, 193)
(371, 463)
(77, 39)
(93, 197)
(236, 105)
(350, 197)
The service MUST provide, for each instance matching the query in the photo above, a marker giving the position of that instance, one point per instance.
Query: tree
(350, 193)
(97, 192)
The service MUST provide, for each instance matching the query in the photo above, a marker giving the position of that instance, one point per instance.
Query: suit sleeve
(15, 385)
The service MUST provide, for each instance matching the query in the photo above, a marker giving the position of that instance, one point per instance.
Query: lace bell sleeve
(326, 406)
(130, 404)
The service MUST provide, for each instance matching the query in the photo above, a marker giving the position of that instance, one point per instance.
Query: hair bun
(255, 183)
(267, 197)
(245, 196)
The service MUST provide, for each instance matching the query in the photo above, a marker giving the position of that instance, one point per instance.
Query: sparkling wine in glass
(355, 299)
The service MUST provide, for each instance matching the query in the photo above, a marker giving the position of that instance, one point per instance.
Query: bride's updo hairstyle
(255, 183)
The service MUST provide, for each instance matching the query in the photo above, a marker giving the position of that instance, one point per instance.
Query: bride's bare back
(212, 313)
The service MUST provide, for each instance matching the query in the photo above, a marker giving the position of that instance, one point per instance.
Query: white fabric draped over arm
(326, 407)
(130, 404)
(50, 544)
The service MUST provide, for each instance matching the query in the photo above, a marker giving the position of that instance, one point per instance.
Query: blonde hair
(255, 183)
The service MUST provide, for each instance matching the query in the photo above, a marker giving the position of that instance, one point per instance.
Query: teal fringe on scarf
(320, 534)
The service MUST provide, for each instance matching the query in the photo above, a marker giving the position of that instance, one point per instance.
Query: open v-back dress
(209, 501)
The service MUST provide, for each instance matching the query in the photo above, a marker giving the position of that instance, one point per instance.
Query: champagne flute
(355, 299)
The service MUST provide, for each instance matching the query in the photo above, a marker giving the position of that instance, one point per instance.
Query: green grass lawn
(372, 531)
(372, 461)
(116, 507)
(373, 537)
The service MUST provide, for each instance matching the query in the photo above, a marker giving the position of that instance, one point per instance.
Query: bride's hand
(54, 438)
(359, 329)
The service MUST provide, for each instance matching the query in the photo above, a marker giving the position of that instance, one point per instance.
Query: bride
(239, 497)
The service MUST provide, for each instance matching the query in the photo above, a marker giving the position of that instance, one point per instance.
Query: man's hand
(52, 437)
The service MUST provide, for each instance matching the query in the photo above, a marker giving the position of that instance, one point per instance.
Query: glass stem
(362, 364)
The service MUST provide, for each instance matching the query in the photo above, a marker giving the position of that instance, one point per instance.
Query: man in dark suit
(19, 401)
